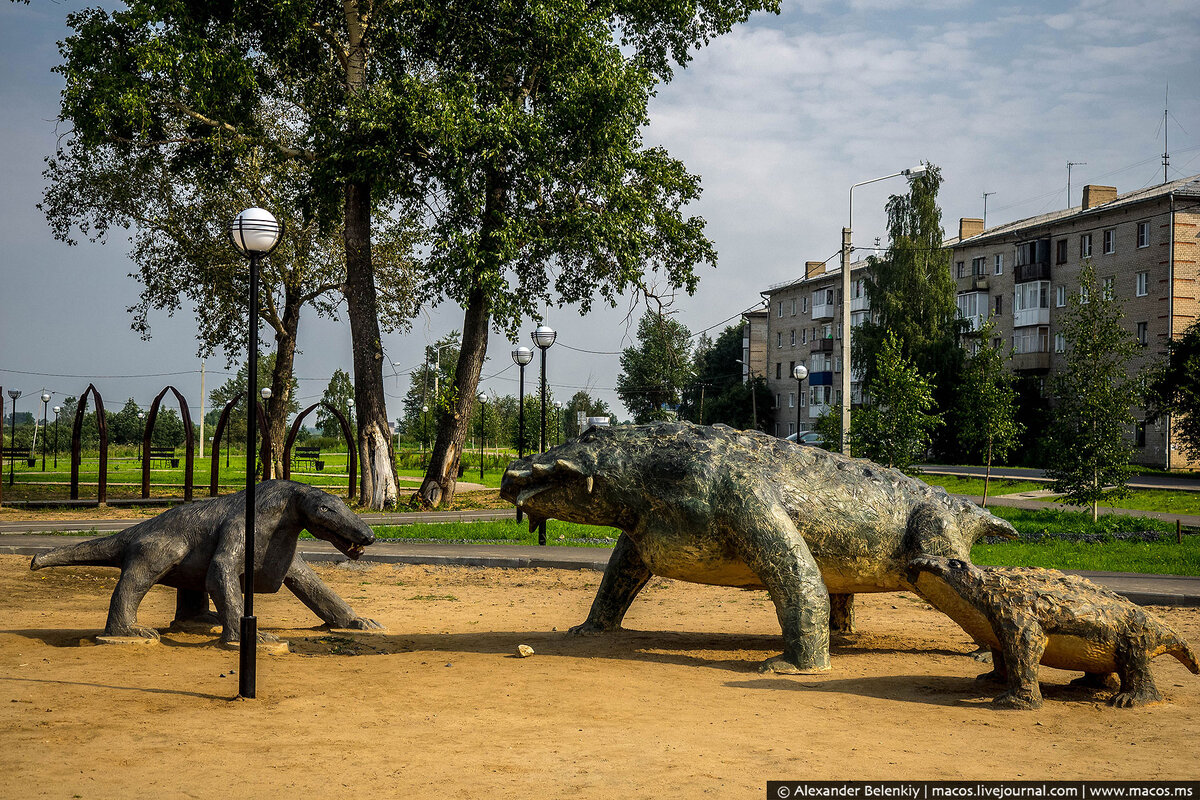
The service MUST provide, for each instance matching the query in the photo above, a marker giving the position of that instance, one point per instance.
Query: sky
(779, 118)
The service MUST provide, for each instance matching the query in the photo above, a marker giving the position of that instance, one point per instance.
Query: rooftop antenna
(1069, 165)
(1166, 156)
(985, 197)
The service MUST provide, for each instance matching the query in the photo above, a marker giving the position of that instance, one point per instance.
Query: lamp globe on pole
(543, 337)
(45, 415)
(57, 411)
(255, 233)
(521, 356)
(799, 372)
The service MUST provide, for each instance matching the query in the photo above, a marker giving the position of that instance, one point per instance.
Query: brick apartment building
(1144, 245)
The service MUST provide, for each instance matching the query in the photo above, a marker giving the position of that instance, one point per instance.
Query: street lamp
(482, 430)
(799, 372)
(45, 406)
(141, 433)
(255, 232)
(57, 411)
(12, 433)
(543, 337)
(521, 356)
(558, 407)
(424, 430)
(908, 173)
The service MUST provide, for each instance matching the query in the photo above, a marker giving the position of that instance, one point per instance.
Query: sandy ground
(438, 706)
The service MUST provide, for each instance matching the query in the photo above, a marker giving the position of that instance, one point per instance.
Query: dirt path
(439, 707)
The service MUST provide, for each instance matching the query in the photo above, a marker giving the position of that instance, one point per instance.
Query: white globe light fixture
(255, 231)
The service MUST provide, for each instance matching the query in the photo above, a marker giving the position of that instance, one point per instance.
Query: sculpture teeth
(589, 483)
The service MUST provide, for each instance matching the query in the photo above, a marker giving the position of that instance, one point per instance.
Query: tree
(338, 394)
(718, 390)
(896, 427)
(912, 293)
(985, 413)
(1174, 389)
(582, 403)
(654, 372)
(547, 192)
(235, 426)
(1089, 448)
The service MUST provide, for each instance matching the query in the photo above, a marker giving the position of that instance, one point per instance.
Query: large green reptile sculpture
(739, 508)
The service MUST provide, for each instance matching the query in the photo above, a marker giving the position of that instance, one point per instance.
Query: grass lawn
(1163, 557)
(974, 486)
(1163, 500)
(506, 531)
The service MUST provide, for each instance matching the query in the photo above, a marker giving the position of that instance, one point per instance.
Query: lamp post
(424, 431)
(141, 433)
(482, 430)
(543, 337)
(846, 236)
(265, 393)
(558, 407)
(12, 433)
(45, 406)
(255, 232)
(799, 372)
(57, 411)
(521, 356)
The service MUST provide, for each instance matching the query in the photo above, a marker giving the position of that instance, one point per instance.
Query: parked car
(808, 437)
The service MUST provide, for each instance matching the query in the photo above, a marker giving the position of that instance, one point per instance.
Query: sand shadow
(142, 689)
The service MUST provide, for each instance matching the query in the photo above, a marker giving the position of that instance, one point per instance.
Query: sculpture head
(958, 574)
(327, 517)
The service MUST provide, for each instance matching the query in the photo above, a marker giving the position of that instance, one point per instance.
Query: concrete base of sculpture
(127, 641)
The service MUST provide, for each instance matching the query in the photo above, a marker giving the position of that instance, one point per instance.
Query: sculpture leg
(841, 614)
(323, 601)
(224, 584)
(192, 611)
(136, 579)
(1137, 682)
(625, 576)
(1022, 654)
(999, 671)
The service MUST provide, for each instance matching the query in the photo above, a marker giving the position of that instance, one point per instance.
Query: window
(1060, 251)
(1031, 340)
(804, 304)
(1110, 287)
(1026, 296)
(791, 428)
(1143, 335)
(999, 263)
(1143, 281)
(793, 337)
(791, 368)
(839, 330)
(827, 331)
(962, 269)
(778, 339)
(1060, 296)
(1083, 294)
(777, 398)
(1035, 252)
(793, 306)
(1085, 246)
(791, 400)
(1143, 236)
(999, 304)
(780, 311)
(1110, 241)
(1060, 343)
(778, 371)
(978, 266)
(803, 399)
(997, 342)
(1139, 433)
(804, 336)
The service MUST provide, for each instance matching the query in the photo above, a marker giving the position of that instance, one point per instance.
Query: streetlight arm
(918, 170)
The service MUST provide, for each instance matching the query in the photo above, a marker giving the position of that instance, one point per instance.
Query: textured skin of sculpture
(198, 549)
(1030, 616)
(740, 508)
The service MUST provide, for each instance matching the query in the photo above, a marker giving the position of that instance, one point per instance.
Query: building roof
(1188, 187)
(828, 273)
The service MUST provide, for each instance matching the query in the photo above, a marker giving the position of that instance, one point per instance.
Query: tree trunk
(376, 454)
(281, 376)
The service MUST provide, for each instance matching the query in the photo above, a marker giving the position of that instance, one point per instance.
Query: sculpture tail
(103, 552)
(1179, 648)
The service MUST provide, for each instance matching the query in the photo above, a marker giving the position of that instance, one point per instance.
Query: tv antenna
(985, 197)
(1069, 165)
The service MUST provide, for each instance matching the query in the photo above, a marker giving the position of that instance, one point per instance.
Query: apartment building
(802, 327)
(1145, 249)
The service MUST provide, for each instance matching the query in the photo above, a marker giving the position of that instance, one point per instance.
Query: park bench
(23, 453)
(307, 457)
(165, 455)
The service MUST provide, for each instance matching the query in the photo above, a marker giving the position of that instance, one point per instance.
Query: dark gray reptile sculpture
(198, 548)
(740, 508)
(1030, 616)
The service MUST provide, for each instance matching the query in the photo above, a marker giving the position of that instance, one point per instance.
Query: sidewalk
(1165, 590)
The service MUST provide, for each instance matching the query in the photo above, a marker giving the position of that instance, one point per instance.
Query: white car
(808, 437)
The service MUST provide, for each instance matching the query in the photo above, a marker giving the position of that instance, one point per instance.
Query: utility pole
(1069, 165)
(985, 197)
(702, 404)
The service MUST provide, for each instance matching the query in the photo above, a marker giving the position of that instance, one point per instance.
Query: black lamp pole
(522, 356)
(543, 337)
(45, 408)
(57, 409)
(12, 434)
(799, 372)
(482, 430)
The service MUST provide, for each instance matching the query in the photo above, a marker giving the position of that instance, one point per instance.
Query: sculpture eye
(956, 564)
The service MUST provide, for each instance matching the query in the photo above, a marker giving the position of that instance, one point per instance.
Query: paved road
(1170, 590)
(1175, 482)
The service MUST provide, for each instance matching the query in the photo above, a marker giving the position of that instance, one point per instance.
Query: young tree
(654, 372)
(338, 394)
(718, 389)
(582, 403)
(235, 426)
(1089, 448)
(986, 408)
(431, 384)
(1174, 389)
(895, 429)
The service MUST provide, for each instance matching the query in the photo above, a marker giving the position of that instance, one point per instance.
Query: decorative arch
(351, 455)
(147, 435)
(264, 453)
(77, 445)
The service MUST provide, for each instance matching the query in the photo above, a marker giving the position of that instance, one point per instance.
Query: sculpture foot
(267, 643)
(132, 632)
(993, 677)
(780, 665)
(590, 628)
(1021, 700)
(356, 624)
(201, 623)
(1138, 697)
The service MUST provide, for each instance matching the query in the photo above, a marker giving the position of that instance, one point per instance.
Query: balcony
(823, 311)
(820, 379)
(822, 345)
(980, 283)
(1031, 362)
(1031, 316)
(1039, 271)
(860, 303)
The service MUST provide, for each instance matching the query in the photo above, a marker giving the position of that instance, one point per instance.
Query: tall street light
(12, 433)
(914, 171)
(424, 431)
(521, 356)
(543, 337)
(45, 407)
(255, 232)
(141, 432)
(799, 372)
(482, 430)
(57, 411)
(558, 407)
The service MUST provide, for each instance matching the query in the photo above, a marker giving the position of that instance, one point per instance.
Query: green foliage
(1174, 388)
(985, 409)
(583, 402)
(338, 394)
(895, 429)
(726, 399)
(654, 372)
(1089, 445)
(235, 426)
(829, 426)
(431, 383)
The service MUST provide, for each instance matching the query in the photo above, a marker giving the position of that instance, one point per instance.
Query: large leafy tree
(985, 415)
(582, 403)
(1174, 388)
(718, 394)
(338, 393)
(912, 293)
(655, 371)
(546, 192)
(896, 427)
(1089, 446)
